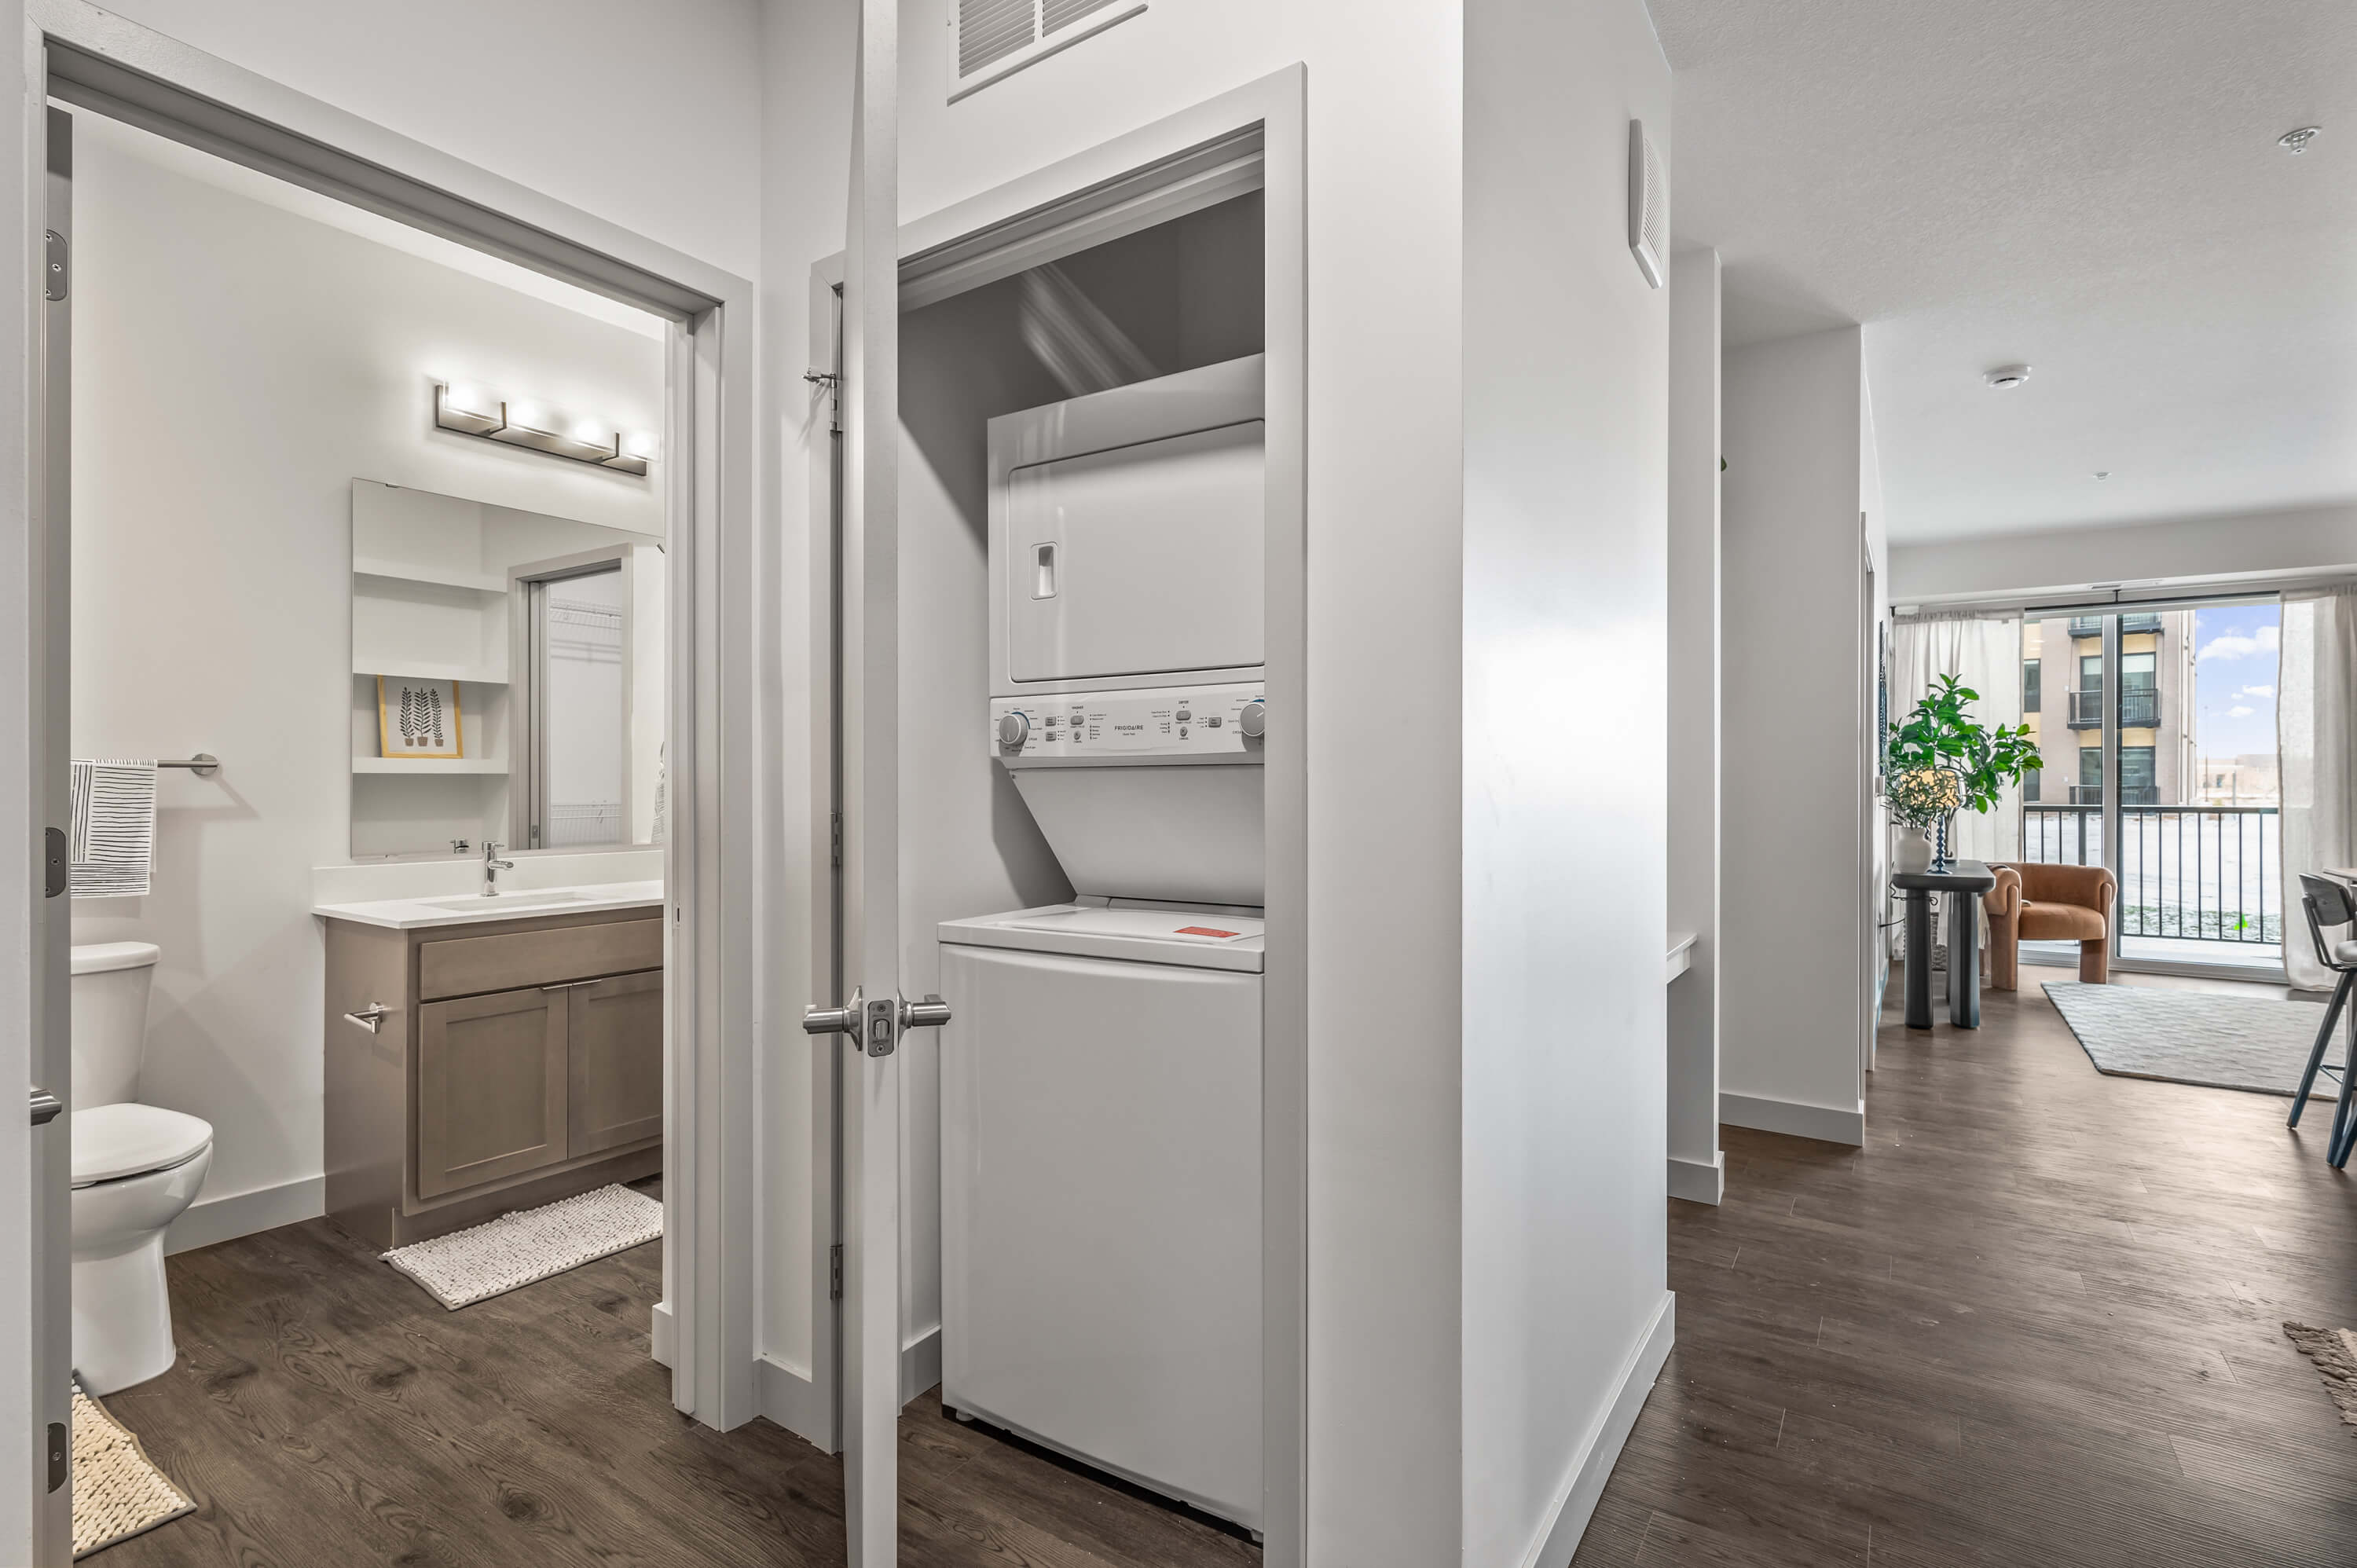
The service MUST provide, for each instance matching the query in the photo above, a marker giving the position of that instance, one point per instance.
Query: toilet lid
(111, 1141)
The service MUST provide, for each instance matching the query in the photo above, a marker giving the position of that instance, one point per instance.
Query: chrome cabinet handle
(45, 1107)
(370, 1018)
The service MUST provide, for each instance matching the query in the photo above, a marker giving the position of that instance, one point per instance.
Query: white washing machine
(1101, 1075)
(1101, 1215)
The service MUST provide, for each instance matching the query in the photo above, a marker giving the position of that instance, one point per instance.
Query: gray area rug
(2193, 1037)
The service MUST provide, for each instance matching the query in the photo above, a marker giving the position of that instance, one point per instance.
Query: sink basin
(506, 903)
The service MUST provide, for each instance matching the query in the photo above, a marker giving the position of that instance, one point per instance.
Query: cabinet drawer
(467, 966)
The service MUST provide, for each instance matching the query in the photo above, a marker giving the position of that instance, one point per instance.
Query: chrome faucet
(492, 866)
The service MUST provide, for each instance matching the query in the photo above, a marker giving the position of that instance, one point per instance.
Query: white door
(868, 1021)
(50, 1341)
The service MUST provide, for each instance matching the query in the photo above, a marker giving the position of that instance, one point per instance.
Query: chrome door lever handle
(370, 1018)
(842, 1020)
(930, 1014)
(45, 1107)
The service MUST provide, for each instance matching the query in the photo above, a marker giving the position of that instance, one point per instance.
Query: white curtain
(2315, 687)
(1984, 652)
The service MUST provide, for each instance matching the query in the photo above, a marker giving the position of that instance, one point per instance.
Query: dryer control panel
(1174, 722)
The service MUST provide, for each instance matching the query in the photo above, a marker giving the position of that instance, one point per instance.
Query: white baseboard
(1826, 1123)
(920, 1364)
(1576, 1503)
(663, 1333)
(1696, 1182)
(792, 1402)
(236, 1214)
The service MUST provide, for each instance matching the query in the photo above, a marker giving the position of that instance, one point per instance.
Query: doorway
(263, 127)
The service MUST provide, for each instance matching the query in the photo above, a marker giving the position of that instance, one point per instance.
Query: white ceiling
(2091, 188)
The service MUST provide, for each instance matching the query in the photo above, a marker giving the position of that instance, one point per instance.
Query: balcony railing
(2093, 626)
(2139, 708)
(2209, 873)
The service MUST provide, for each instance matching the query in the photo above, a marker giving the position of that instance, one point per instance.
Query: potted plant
(1939, 758)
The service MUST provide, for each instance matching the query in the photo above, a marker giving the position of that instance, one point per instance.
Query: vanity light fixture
(472, 411)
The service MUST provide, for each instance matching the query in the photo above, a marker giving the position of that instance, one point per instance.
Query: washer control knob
(1253, 719)
(1014, 729)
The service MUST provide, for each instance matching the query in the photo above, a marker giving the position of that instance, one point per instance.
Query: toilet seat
(111, 1141)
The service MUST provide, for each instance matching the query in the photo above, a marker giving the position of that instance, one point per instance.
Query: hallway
(2035, 1320)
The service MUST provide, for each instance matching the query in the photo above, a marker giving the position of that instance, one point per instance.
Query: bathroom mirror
(506, 678)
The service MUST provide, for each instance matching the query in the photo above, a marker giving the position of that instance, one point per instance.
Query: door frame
(91, 60)
(1252, 137)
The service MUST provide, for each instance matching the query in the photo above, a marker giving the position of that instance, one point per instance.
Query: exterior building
(2250, 780)
(2062, 703)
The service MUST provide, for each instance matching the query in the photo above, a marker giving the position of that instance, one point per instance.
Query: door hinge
(56, 272)
(57, 871)
(57, 1448)
(838, 840)
(835, 1273)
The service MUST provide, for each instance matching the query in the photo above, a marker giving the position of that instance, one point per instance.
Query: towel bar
(204, 764)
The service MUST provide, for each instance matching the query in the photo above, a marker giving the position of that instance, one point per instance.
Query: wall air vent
(1649, 205)
(995, 38)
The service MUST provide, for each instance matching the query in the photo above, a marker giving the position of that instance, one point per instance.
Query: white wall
(2311, 539)
(648, 116)
(1792, 671)
(222, 412)
(1566, 750)
(1695, 1169)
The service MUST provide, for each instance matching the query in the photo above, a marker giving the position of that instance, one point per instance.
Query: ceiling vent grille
(1649, 205)
(995, 38)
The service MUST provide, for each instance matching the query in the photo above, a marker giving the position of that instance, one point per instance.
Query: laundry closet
(1082, 647)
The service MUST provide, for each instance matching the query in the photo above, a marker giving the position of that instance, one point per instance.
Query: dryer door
(1141, 560)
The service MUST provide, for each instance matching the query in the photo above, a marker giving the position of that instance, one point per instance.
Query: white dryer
(1101, 1217)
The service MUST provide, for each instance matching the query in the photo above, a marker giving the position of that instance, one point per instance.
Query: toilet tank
(109, 1020)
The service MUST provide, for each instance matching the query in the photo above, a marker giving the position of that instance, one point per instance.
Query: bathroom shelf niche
(414, 764)
(419, 670)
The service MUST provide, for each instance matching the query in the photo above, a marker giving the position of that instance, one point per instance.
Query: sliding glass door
(2158, 728)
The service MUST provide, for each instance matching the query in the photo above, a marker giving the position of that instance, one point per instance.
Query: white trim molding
(1696, 1182)
(1826, 1123)
(1583, 1488)
(920, 1363)
(235, 1214)
(663, 1331)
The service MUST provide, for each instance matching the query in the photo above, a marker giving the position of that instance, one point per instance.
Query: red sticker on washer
(1204, 931)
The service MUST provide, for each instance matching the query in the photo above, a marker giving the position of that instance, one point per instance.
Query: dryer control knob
(1014, 729)
(1253, 719)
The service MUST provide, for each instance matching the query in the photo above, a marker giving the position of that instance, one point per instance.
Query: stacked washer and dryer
(1100, 1078)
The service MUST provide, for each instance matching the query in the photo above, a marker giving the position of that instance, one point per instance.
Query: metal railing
(2209, 873)
(2139, 708)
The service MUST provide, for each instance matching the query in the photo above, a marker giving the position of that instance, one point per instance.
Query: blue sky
(2235, 678)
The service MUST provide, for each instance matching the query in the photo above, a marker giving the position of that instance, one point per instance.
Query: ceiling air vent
(1649, 205)
(995, 38)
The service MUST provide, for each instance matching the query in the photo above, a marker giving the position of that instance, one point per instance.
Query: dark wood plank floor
(2036, 1321)
(326, 1411)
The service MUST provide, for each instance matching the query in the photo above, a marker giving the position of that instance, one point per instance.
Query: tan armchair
(2050, 904)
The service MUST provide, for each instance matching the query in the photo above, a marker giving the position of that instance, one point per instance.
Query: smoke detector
(2295, 142)
(2005, 378)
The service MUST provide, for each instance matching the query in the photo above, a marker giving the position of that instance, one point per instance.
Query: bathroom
(312, 496)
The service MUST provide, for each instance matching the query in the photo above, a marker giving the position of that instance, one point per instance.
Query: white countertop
(516, 904)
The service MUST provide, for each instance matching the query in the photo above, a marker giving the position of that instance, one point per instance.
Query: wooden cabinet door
(492, 1084)
(616, 1057)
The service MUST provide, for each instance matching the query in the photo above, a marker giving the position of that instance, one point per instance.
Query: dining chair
(2327, 904)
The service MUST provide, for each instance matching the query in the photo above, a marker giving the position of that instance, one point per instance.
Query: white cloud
(2233, 645)
(2238, 712)
(2256, 692)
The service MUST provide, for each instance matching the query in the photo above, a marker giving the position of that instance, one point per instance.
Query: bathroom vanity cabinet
(513, 1062)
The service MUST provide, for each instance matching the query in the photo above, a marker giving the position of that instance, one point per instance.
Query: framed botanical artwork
(418, 718)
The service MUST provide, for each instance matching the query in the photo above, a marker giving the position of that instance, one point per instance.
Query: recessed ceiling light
(2005, 378)
(2103, 473)
(2295, 142)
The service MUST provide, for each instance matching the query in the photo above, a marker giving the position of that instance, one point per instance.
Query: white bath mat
(469, 1266)
(117, 1491)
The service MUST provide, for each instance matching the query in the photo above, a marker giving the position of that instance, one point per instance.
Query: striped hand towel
(114, 847)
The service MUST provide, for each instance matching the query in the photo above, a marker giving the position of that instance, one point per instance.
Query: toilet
(137, 1168)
